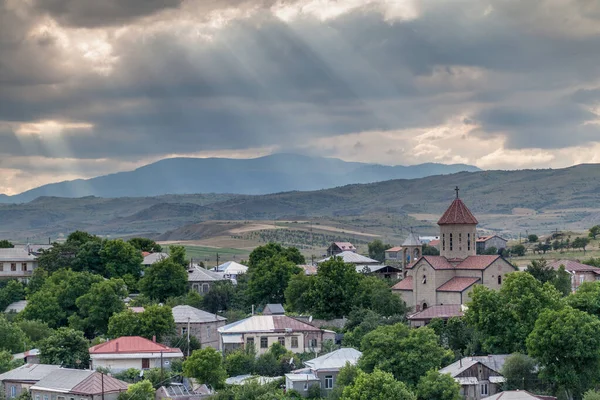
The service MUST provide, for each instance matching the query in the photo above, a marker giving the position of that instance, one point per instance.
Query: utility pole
(102, 380)
(161, 366)
(188, 337)
(217, 259)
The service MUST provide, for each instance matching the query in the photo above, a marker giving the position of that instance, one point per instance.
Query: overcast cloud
(89, 87)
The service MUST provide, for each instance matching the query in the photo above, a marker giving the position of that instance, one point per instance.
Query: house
(132, 352)
(579, 272)
(151, 258)
(484, 243)
(231, 269)
(181, 392)
(22, 378)
(394, 255)
(339, 247)
(350, 257)
(201, 279)
(273, 309)
(201, 324)
(443, 312)
(518, 395)
(28, 357)
(16, 307)
(261, 331)
(322, 371)
(449, 278)
(380, 271)
(479, 377)
(411, 250)
(80, 384)
(17, 263)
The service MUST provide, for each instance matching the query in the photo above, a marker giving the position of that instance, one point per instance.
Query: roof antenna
(457, 189)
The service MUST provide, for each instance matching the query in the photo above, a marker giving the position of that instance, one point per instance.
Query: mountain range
(270, 174)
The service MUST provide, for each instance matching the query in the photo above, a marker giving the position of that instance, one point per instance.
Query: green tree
(378, 385)
(155, 321)
(177, 255)
(591, 395)
(335, 287)
(5, 244)
(36, 331)
(120, 258)
(586, 298)
(163, 279)
(532, 238)
(88, 258)
(267, 365)
(270, 250)
(377, 250)
(12, 338)
(13, 291)
(518, 250)
(220, 297)
(436, 386)
(562, 281)
(79, 238)
(594, 231)
(519, 370)
(298, 293)
(375, 294)
(7, 363)
(142, 390)
(505, 318)
(59, 256)
(125, 323)
(97, 306)
(239, 362)
(491, 251)
(580, 243)
(406, 353)
(430, 250)
(567, 346)
(145, 244)
(269, 278)
(206, 366)
(66, 347)
(362, 321)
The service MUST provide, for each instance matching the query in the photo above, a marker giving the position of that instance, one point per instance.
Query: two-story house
(579, 272)
(201, 324)
(77, 384)
(479, 377)
(17, 263)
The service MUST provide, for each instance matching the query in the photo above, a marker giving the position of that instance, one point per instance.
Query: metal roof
(267, 323)
(412, 240)
(28, 372)
(494, 362)
(517, 395)
(154, 257)
(274, 309)
(232, 268)
(199, 274)
(17, 306)
(15, 255)
(350, 257)
(80, 381)
(334, 360)
(182, 313)
(301, 377)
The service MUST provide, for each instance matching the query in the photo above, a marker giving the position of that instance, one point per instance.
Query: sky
(91, 87)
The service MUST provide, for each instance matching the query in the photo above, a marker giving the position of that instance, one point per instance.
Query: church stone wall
(460, 236)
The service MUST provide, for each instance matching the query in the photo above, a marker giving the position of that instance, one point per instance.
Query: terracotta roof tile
(573, 266)
(458, 284)
(404, 284)
(457, 213)
(131, 344)
(477, 262)
(442, 311)
(434, 242)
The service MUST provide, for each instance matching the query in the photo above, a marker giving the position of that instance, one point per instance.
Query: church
(442, 283)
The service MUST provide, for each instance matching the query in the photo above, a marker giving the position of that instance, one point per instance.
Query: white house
(231, 270)
(17, 263)
(132, 352)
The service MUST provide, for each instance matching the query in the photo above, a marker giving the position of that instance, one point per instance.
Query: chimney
(117, 346)
(154, 338)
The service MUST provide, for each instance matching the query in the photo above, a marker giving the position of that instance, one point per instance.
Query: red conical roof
(457, 213)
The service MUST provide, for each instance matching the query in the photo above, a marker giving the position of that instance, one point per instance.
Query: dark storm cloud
(261, 81)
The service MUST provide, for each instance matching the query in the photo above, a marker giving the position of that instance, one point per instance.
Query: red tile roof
(442, 311)
(131, 344)
(458, 284)
(93, 385)
(345, 245)
(573, 266)
(438, 262)
(477, 262)
(457, 213)
(434, 242)
(394, 249)
(404, 284)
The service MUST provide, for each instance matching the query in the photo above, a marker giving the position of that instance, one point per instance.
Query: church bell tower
(458, 231)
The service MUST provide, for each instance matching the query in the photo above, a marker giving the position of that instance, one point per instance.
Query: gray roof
(63, 379)
(182, 313)
(17, 306)
(154, 257)
(29, 372)
(516, 395)
(493, 361)
(199, 274)
(15, 255)
(412, 240)
(334, 360)
(352, 258)
(232, 268)
(274, 309)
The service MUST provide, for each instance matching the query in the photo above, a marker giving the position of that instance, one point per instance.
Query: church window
(450, 242)
(499, 279)
(443, 242)
(424, 279)
(460, 238)
(469, 241)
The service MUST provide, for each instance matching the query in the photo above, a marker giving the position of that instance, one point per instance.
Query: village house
(261, 331)
(77, 384)
(447, 279)
(231, 270)
(201, 279)
(367, 265)
(20, 379)
(484, 243)
(350, 257)
(132, 352)
(579, 272)
(321, 371)
(273, 309)
(151, 258)
(478, 377)
(443, 312)
(339, 247)
(401, 256)
(201, 324)
(17, 263)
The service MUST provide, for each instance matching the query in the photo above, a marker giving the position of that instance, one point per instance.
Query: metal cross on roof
(457, 189)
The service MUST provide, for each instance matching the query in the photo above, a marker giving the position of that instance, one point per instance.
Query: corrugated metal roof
(17, 306)
(96, 383)
(350, 257)
(335, 360)
(232, 268)
(16, 255)
(199, 274)
(267, 323)
(182, 313)
(573, 266)
(63, 379)
(151, 258)
(273, 309)
(412, 240)
(301, 377)
(29, 372)
(494, 362)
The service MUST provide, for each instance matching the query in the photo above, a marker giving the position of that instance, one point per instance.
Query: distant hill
(507, 201)
(269, 174)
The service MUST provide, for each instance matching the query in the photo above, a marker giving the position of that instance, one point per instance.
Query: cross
(457, 189)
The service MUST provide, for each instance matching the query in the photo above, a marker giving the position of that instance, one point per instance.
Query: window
(264, 342)
(450, 242)
(183, 331)
(581, 279)
(484, 389)
(208, 332)
(281, 340)
(328, 381)
(37, 397)
(24, 267)
(250, 342)
(469, 241)
(145, 364)
(294, 342)
(460, 238)
(313, 343)
(305, 386)
(45, 397)
(424, 306)
(443, 241)
(424, 279)
(1, 266)
(13, 391)
(499, 279)
(60, 398)
(205, 287)
(13, 266)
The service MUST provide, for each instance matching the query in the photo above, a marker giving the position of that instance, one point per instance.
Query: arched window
(424, 306)
(450, 242)
(424, 279)
(499, 279)
(443, 242)
(469, 241)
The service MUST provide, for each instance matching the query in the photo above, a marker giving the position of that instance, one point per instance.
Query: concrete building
(17, 263)
(132, 352)
(77, 384)
(322, 371)
(201, 324)
(20, 379)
